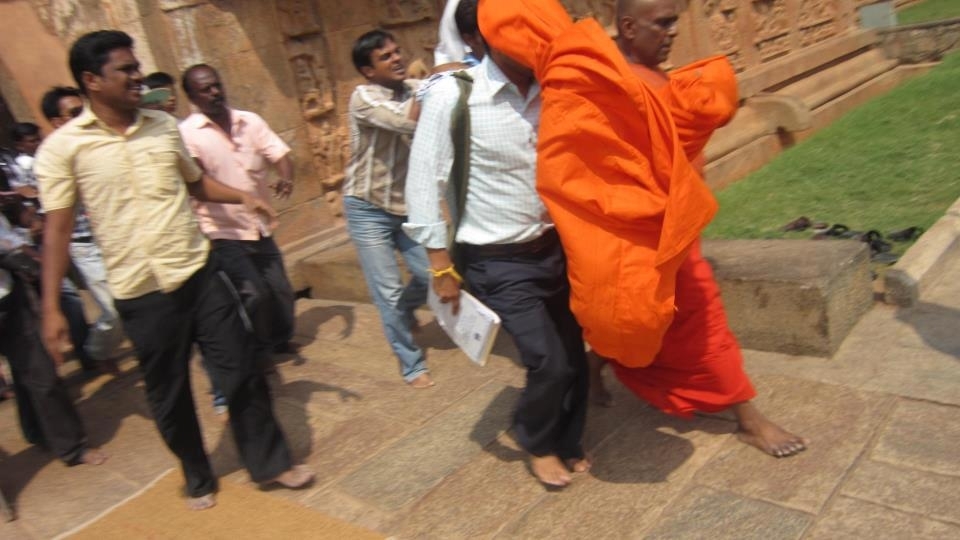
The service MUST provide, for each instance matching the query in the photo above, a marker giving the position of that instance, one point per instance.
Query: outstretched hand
(282, 188)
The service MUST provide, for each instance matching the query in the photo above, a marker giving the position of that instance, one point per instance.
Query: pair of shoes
(803, 223)
(876, 242)
(422, 381)
(884, 258)
(837, 230)
(906, 235)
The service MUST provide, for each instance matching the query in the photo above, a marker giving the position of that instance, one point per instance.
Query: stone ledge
(298, 251)
(920, 266)
(796, 297)
(335, 274)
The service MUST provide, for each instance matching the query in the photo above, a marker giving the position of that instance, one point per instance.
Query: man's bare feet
(202, 502)
(93, 456)
(599, 394)
(421, 382)
(758, 431)
(579, 465)
(299, 476)
(550, 470)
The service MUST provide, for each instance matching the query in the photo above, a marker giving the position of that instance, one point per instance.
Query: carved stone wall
(289, 60)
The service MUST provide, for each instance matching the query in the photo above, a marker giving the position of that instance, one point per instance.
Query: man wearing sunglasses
(61, 104)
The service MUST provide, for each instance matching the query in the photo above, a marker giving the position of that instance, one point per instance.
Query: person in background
(61, 104)
(160, 80)
(239, 149)
(383, 116)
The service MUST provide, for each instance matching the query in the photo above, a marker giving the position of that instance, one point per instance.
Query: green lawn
(929, 10)
(889, 164)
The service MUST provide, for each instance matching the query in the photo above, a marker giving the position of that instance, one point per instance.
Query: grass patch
(930, 10)
(891, 163)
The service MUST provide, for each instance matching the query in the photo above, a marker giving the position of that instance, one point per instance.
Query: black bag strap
(460, 171)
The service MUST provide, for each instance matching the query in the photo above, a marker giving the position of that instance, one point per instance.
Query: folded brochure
(474, 328)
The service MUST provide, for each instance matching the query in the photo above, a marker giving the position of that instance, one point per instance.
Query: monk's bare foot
(93, 456)
(297, 477)
(579, 465)
(202, 503)
(757, 430)
(421, 382)
(599, 394)
(550, 470)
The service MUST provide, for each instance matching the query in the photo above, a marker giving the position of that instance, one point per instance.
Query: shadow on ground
(937, 325)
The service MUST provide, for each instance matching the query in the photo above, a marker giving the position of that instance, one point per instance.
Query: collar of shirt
(199, 120)
(89, 119)
(489, 75)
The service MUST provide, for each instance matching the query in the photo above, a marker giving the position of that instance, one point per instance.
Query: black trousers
(531, 294)
(47, 414)
(162, 327)
(256, 269)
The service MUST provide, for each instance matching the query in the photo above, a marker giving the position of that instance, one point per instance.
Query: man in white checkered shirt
(510, 254)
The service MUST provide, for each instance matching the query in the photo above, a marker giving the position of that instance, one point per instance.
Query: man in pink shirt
(237, 148)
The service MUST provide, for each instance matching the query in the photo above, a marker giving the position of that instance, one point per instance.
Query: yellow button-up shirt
(133, 187)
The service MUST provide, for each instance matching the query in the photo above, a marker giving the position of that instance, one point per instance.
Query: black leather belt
(82, 239)
(547, 240)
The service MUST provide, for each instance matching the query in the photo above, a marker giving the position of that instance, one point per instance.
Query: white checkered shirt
(502, 205)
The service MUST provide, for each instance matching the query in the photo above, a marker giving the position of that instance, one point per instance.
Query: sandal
(884, 258)
(802, 223)
(837, 230)
(906, 235)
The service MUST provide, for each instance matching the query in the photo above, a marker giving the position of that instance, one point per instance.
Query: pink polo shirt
(240, 160)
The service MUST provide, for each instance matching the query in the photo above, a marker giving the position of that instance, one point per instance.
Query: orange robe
(614, 169)
(612, 172)
(700, 366)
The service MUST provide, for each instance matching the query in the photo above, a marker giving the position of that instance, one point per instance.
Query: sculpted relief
(771, 28)
(722, 20)
(818, 21)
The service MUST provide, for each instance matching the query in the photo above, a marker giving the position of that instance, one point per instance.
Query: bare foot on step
(421, 382)
(579, 465)
(93, 456)
(550, 470)
(202, 502)
(758, 431)
(297, 477)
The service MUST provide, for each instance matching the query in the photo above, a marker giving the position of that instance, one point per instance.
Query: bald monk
(699, 366)
(628, 203)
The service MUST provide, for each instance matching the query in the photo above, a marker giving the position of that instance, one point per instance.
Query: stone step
(335, 274)
(789, 296)
(797, 297)
(294, 253)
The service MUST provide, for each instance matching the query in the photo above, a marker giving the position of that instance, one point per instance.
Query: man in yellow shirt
(130, 168)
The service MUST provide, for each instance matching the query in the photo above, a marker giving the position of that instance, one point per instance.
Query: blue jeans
(106, 333)
(377, 235)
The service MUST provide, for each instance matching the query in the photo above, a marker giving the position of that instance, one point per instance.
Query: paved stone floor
(883, 415)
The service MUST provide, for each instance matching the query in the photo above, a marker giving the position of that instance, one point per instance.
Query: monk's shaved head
(646, 29)
(629, 7)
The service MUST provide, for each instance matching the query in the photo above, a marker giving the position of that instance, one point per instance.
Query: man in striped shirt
(383, 116)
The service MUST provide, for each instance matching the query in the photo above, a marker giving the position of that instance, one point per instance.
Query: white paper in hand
(473, 329)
